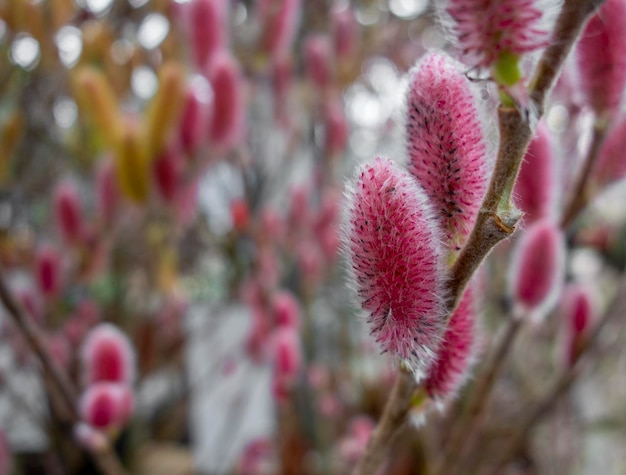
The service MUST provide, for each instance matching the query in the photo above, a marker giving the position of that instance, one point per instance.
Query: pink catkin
(601, 57)
(577, 313)
(68, 212)
(167, 171)
(538, 267)
(279, 19)
(456, 351)
(445, 143)
(195, 120)
(536, 184)
(207, 20)
(106, 405)
(48, 271)
(107, 355)
(335, 128)
(345, 33)
(487, 28)
(286, 310)
(228, 102)
(611, 164)
(395, 255)
(318, 59)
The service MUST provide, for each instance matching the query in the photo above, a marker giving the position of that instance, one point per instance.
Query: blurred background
(176, 168)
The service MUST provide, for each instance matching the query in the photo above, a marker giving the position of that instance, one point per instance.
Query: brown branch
(104, 457)
(392, 420)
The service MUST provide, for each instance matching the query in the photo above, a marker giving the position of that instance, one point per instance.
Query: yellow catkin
(165, 107)
(132, 163)
(98, 101)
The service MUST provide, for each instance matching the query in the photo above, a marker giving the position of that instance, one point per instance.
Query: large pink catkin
(206, 27)
(455, 354)
(536, 185)
(538, 267)
(601, 57)
(395, 258)
(445, 144)
(486, 28)
(68, 212)
(279, 23)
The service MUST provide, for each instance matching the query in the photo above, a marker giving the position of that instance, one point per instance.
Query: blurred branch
(104, 457)
(392, 420)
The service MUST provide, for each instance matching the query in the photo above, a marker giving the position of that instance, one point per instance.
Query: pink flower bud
(48, 270)
(286, 310)
(611, 164)
(446, 145)
(68, 212)
(226, 80)
(536, 184)
(240, 214)
(318, 59)
(286, 359)
(107, 355)
(207, 22)
(195, 118)
(106, 405)
(486, 29)
(538, 267)
(167, 169)
(107, 191)
(601, 55)
(279, 23)
(395, 258)
(335, 127)
(286, 355)
(345, 32)
(455, 355)
(577, 313)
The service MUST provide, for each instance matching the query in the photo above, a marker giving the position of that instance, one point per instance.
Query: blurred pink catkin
(107, 355)
(395, 257)
(485, 29)
(601, 58)
(538, 267)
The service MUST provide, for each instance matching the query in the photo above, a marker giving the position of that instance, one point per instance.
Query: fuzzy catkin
(395, 257)
(447, 152)
(485, 29)
(455, 355)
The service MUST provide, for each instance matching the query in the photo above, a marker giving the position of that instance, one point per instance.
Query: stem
(463, 439)
(580, 197)
(105, 459)
(392, 420)
(563, 383)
